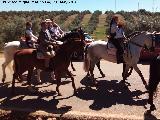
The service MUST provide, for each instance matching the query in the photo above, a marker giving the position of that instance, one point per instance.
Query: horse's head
(80, 31)
(76, 39)
(150, 41)
(143, 39)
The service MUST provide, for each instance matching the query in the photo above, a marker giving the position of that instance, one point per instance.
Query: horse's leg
(124, 67)
(7, 61)
(125, 72)
(128, 72)
(91, 68)
(29, 76)
(150, 100)
(38, 75)
(140, 74)
(73, 83)
(58, 78)
(153, 83)
(98, 65)
(72, 66)
(15, 76)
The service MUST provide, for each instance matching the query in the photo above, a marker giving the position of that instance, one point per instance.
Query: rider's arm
(29, 33)
(60, 30)
(114, 28)
(43, 40)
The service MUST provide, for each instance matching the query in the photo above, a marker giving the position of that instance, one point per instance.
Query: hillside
(100, 32)
(96, 24)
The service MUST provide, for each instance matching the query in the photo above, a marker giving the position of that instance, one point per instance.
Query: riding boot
(47, 66)
(119, 58)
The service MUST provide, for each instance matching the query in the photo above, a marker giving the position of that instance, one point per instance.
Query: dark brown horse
(26, 60)
(154, 80)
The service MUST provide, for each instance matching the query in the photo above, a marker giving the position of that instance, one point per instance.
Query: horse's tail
(86, 64)
(15, 68)
(7, 56)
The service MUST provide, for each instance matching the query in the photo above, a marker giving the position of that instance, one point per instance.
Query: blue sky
(81, 5)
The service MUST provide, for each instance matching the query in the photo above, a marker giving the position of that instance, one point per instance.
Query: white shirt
(33, 37)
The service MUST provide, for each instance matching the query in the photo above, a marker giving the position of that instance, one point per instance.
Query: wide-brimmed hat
(48, 20)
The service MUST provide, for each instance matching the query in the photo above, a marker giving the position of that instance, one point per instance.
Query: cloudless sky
(81, 5)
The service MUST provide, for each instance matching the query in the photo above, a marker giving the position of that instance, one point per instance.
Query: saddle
(112, 51)
(24, 44)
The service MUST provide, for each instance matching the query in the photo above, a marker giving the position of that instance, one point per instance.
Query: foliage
(13, 22)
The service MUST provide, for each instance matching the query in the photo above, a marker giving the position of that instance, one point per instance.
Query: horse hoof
(59, 94)
(152, 107)
(39, 81)
(103, 75)
(75, 92)
(3, 80)
(147, 87)
(31, 89)
(19, 80)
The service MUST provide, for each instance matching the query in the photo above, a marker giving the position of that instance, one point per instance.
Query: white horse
(105, 50)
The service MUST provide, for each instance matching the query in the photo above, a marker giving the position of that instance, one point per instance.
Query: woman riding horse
(104, 50)
(117, 36)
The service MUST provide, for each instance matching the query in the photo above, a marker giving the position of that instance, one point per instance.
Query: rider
(29, 37)
(54, 29)
(45, 44)
(117, 36)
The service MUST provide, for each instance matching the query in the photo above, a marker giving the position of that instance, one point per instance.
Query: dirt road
(107, 99)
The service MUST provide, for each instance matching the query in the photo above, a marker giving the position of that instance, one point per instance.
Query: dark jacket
(44, 40)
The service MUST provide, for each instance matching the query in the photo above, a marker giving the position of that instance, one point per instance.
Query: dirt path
(106, 100)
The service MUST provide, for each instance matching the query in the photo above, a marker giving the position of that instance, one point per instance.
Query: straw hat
(121, 20)
(48, 20)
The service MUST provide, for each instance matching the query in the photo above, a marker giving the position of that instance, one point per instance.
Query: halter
(153, 41)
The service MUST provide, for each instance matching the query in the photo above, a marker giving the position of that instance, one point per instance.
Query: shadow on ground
(23, 99)
(107, 93)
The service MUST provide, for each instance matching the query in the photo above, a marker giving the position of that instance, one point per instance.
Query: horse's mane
(134, 34)
(68, 36)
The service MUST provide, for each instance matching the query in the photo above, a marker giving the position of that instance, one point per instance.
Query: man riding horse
(117, 36)
(45, 44)
(54, 29)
